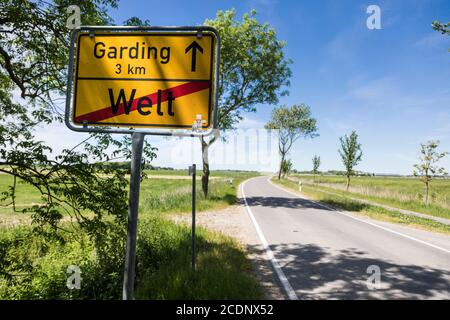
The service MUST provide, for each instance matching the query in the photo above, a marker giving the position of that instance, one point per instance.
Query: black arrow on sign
(194, 46)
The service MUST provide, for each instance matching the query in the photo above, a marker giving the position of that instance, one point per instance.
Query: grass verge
(161, 196)
(33, 266)
(371, 211)
(222, 269)
(402, 193)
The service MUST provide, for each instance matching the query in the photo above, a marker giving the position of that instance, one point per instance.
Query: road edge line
(361, 220)
(269, 253)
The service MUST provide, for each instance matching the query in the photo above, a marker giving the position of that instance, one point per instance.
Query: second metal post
(194, 170)
(135, 184)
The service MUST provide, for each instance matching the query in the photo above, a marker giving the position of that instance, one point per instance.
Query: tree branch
(10, 69)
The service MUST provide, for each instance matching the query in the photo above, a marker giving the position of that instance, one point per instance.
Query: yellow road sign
(145, 79)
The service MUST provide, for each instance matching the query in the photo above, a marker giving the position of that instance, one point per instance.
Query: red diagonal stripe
(178, 91)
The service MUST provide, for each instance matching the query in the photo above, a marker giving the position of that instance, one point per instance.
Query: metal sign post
(135, 182)
(143, 80)
(192, 171)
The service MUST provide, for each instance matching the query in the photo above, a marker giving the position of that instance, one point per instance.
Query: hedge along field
(404, 193)
(33, 266)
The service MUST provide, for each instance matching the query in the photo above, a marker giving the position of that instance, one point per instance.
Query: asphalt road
(320, 253)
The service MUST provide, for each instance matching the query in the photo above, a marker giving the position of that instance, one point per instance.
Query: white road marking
(281, 276)
(361, 220)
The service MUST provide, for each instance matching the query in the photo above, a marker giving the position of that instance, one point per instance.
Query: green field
(403, 193)
(174, 195)
(33, 266)
(158, 195)
(341, 201)
(184, 172)
(25, 197)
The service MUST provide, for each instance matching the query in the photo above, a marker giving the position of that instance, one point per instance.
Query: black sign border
(166, 130)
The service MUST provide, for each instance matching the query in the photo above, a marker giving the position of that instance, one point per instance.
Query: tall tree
(443, 28)
(286, 167)
(135, 21)
(350, 153)
(253, 70)
(316, 165)
(427, 167)
(34, 43)
(293, 123)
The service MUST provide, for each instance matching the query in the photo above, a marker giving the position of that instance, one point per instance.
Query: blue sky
(390, 85)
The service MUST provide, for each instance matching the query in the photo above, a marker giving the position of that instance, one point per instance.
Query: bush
(34, 267)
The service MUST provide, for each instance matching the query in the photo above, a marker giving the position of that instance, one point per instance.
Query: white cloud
(250, 123)
(262, 5)
(432, 40)
(59, 137)
(375, 89)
